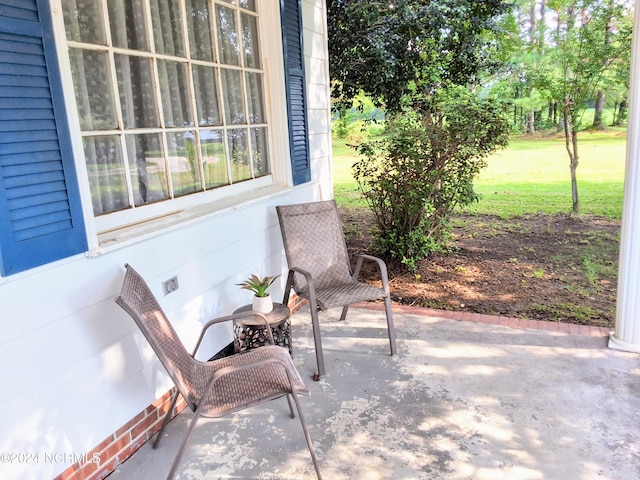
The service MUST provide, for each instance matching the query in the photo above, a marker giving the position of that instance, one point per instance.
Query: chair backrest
(314, 241)
(137, 299)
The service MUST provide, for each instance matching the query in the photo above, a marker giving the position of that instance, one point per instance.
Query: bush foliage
(414, 177)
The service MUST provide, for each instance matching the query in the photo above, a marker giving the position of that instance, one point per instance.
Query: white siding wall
(74, 366)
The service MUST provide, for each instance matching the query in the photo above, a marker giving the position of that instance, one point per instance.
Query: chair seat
(341, 293)
(244, 388)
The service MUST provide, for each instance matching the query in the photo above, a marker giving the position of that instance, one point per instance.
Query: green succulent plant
(258, 285)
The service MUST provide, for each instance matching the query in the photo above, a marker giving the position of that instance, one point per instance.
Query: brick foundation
(120, 445)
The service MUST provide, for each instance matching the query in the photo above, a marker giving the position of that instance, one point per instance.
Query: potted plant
(262, 301)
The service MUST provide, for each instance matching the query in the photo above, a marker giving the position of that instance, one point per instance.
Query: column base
(617, 344)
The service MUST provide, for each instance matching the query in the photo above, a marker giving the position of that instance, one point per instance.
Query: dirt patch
(545, 267)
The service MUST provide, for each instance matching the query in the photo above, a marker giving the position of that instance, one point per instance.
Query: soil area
(545, 267)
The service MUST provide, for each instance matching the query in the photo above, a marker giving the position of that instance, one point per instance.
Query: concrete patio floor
(461, 400)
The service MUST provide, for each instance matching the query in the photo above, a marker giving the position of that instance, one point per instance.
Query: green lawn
(529, 176)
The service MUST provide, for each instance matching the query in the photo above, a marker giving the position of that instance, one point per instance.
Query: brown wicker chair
(219, 387)
(319, 266)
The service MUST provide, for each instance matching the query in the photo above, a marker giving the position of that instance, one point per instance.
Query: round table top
(279, 313)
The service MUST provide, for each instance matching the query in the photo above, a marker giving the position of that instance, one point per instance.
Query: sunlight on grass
(530, 176)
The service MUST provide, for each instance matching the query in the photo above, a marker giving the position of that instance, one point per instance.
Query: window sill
(126, 235)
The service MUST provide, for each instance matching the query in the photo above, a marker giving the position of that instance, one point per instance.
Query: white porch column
(627, 333)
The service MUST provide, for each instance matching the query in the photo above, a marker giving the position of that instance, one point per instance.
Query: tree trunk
(598, 121)
(622, 112)
(571, 144)
(573, 167)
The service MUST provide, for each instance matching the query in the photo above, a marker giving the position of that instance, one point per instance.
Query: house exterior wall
(75, 368)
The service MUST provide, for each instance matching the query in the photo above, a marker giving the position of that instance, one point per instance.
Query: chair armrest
(382, 268)
(307, 276)
(228, 318)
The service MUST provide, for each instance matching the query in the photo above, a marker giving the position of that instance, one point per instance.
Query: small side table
(249, 332)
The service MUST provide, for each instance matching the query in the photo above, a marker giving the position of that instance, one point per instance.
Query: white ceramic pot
(263, 304)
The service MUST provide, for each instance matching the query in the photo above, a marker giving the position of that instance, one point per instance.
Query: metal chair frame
(213, 380)
(291, 219)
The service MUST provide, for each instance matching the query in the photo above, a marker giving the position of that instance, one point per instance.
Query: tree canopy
(386, 49)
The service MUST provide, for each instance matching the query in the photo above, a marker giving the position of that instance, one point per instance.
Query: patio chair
(320, 270)
(219, 387)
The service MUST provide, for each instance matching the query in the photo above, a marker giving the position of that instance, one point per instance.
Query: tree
(586, 47)
(421, 60)
(388, 49)
(572, 55)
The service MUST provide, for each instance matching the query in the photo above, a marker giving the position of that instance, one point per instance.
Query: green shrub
(425, 167)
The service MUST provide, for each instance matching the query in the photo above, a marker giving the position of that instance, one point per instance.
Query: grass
(529, 176)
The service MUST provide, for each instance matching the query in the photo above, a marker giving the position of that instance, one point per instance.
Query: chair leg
(344, 312)
(292, 413)
(180, 453)
(307, 437)
(392, 331)
(167, 417)
(315, 322)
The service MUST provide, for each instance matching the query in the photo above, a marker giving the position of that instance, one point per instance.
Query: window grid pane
(166, 18)
(183, 165)
(199, 28)
(92, 85)
(147, 168)
(128, 26)
(135, 84)
(159, 116)
(228, 45)
(83, 21)
(174, 90)
(107, 180)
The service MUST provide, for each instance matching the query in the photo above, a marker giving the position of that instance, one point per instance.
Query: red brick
(103, 470)
(435, 313)
(88, 469)
(70, 473)
(513, 322)
(546, 325)
(465, 316)
(158, 403)
(144, 425)
(112, 450)
(101, 446)
(130, 424)
(574, 329)
(130, 449)
(564, 327)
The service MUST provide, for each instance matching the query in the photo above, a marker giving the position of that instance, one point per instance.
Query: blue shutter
(296, 94)
(40, 211)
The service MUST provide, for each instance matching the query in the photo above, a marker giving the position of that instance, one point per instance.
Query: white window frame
(118, 228)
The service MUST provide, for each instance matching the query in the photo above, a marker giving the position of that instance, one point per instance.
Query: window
(191, 91)
(170, 97)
